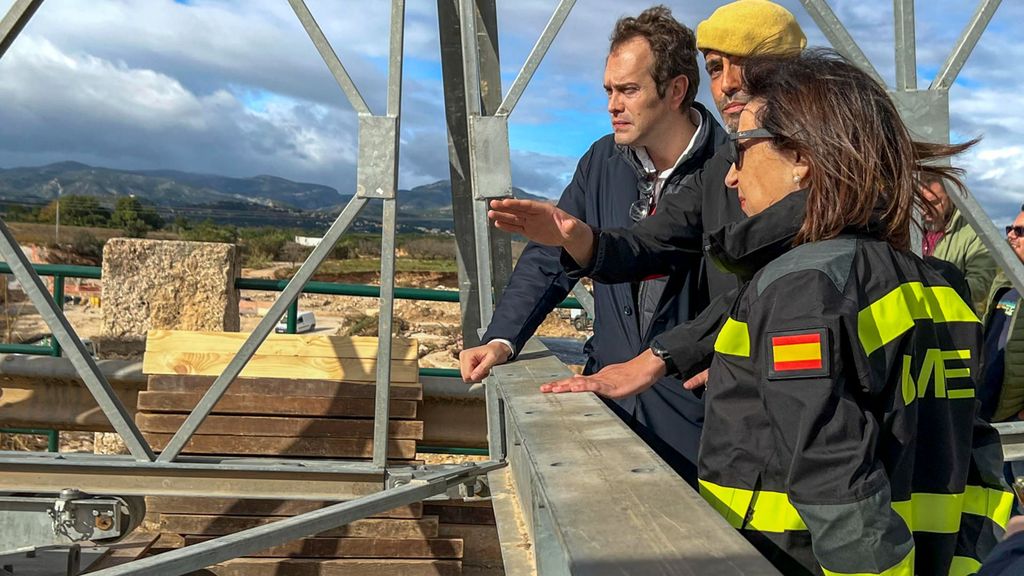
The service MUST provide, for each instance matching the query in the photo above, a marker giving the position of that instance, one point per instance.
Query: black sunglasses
(1018, 231)
(736, 149)
(641, 208)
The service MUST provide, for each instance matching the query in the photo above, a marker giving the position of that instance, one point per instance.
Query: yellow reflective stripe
(733, 339)
(924, 512)
(773, 512)
(895, 313)
(938, 513)
(963, 566)
(904, 568)
(731, 503)
(991, 503)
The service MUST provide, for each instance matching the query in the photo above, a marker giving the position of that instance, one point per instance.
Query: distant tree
(19, 213)
(180, 224)
(207, 231)
(134, 218)
(265, 243)
(76, 210)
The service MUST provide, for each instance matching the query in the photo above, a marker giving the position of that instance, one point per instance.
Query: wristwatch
(659, 350)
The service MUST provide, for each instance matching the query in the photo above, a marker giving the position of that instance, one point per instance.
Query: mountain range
(259, 200)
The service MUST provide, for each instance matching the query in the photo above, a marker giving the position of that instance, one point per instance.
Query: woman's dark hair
(673, 46)
(866, 168)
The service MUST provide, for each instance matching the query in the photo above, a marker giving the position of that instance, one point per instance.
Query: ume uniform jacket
(840, 433)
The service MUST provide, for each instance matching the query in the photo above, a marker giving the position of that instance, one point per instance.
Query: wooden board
(282, 386)
(403, 372)
(276, 426)
(298, 345)
(425, 527)
(256, 445)
(481, 546)
(411, 548)
(257, 507)
(460, 514)
(347, 567)
(257, 404)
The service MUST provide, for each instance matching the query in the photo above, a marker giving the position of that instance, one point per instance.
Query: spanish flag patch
(798, 354)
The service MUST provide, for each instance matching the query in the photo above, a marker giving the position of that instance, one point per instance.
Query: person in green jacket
(949, 237)
(1002, 387)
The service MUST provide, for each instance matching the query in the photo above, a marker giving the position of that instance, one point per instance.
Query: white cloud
(153, 83)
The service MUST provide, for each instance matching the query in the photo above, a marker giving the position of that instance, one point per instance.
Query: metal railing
(61, 272)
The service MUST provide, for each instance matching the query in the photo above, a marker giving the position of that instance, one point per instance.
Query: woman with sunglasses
(840, 428)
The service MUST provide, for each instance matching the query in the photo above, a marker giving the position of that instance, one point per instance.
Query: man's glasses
(736, 149)
(1018, 231)
(641, 208)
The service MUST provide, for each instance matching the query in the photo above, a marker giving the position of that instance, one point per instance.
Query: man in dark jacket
(661, 137)
(672, 237)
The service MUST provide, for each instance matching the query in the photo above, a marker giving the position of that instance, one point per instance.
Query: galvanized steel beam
(14, 21)
(595, 498)
(839, 37)
(196, 476)
(906, 45)
(540, 49)
(330, 57)
(965, 45)
(75, 351)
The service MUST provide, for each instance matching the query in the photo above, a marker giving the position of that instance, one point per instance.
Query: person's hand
(615, 381)
(698, 380)
(545, 224)
(476, 363)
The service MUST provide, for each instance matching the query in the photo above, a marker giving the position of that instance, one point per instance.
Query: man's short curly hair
(673, 46)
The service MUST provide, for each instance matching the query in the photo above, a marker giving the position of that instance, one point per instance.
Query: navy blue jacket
(601, 192)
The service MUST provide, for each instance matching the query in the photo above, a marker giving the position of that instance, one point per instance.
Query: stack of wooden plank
(300, 395)
(402, 542)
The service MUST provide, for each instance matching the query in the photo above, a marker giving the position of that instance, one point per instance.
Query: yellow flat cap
(748, 27)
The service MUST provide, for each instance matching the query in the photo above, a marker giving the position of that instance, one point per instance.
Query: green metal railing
(52, 436)
(59, 273)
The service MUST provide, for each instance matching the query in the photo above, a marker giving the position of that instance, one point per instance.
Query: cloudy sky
(236, 88)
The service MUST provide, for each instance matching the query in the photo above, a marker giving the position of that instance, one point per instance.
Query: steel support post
(75, 351)
(196, 556)
(490, 100)
(384, 329)
(14, 21)
(458, 158)
(965, 45)
(474, 110)
(264, 328)
(839, 37)
(330, 57)
(378, 177)
(906, 45)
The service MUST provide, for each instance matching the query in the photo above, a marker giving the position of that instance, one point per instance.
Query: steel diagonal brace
(196, 556)
(262, 330)
(83, 362)
(15, 20)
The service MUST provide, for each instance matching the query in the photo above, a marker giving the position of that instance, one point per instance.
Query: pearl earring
(796, 179)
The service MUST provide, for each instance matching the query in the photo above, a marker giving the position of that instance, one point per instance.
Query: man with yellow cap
(674, 234)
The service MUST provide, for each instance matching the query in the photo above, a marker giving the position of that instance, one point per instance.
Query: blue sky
(236, 88)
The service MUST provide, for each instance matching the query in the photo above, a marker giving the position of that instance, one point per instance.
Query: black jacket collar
(742, 248)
